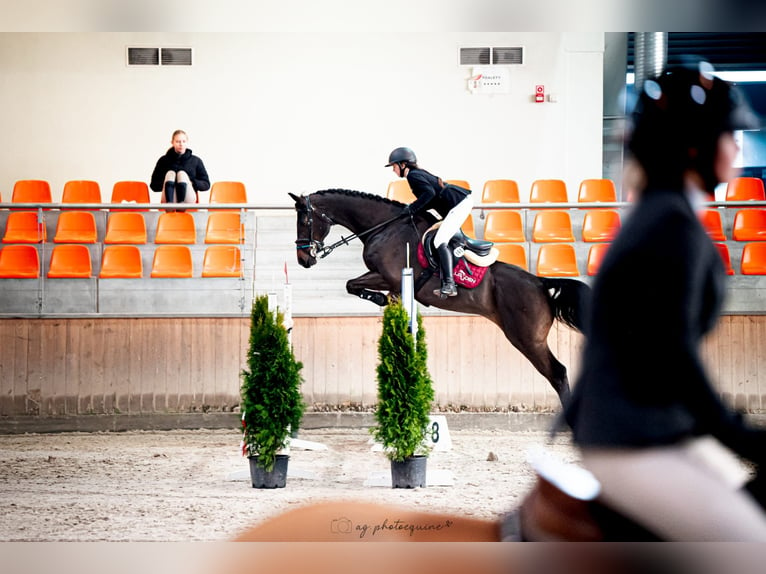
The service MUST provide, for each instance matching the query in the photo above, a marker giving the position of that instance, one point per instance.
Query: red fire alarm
(539, 94)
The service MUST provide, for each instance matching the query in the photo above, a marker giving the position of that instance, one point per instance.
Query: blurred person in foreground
(647, 419)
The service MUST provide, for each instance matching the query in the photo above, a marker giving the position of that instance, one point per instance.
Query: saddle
(472, 257)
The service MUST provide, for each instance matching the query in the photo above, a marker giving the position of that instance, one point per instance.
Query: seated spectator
(179, 174)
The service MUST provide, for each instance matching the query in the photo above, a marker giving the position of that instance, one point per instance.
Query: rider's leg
(450, 225)
(681, 492)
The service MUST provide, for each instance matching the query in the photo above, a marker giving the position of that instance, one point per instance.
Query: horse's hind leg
(528, 332)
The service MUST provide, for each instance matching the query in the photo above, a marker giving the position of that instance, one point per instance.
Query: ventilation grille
(484, 56)
(159, 56)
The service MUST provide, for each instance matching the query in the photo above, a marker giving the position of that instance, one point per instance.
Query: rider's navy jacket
(431, 193)
(658, 291)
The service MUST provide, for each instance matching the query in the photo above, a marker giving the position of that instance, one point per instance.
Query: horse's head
(313, 227)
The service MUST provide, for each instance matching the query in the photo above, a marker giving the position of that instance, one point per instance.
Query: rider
(647, 419)
(451, 202)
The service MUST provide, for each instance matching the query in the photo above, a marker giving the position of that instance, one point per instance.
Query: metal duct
(651, 55)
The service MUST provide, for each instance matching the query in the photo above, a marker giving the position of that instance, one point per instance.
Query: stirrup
(446, 290)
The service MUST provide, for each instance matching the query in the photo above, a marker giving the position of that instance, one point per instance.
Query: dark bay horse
(523, 305)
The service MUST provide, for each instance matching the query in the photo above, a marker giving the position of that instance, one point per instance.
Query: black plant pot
(274, 478)
(409, 473)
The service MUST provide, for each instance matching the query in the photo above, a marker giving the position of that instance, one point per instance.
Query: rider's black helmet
(678, 120)
(401, 154)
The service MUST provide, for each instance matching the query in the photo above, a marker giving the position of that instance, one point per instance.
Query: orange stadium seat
(504, 225)
(548, 191)
(222, 261)
(75, 227)
(552, 226)
(600, 225)
(557, 260)
(399, 190)
(723, 250)
(459, 182)
(31, 191)
(172, 261)
(224, 227)
(228, 192)
(19, 261)
(749, 225)
(24, 227)
(70, 261)
(81, 191)
(125, 227)
(121, 261)
(467, 228)
(754, 259)
(595, 190)
(176, 227)
(745, 189)
(713, 223)
(595, 257)
(500, 191)
(130, 192)
(513, 253)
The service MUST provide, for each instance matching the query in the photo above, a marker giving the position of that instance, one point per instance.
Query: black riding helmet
(678, 119)
(401, 155)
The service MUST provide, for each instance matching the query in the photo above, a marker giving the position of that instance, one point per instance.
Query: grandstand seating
(228, 192)
(595, 257)
(459, 182)
(557, 260)
(75, 227)
(713, 223)
(224, 227)
(24, 227)
(754, 259)
(595, 190)
(500, 191)
(222, 261)
(749, 225)
(552, 226)
(121, 261)
(81, 191)
(504, 225)
(600, 225)
(548, 191)
(31, 191)
(70, 260)
(130, 191)
(19, 261)
(745, 189)
(125, 227)
(513, 253)
(176, 227)
(723, 250)
(172, 261)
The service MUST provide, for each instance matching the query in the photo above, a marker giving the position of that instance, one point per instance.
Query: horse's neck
(357, 213)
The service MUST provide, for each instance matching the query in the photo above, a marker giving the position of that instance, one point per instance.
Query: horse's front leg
(369, 287)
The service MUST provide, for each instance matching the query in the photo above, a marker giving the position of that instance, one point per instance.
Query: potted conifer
(405, 395)
(272, 405)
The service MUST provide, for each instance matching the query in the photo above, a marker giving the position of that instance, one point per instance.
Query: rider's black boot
(448, 288)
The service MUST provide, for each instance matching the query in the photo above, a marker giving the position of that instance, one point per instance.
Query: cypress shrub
(405, 389)
(272, 404)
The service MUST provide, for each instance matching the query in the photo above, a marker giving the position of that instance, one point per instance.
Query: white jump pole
(408, 295)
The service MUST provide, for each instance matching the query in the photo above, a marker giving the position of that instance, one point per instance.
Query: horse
(523, 305)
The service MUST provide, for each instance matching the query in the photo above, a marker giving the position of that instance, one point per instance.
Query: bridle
(317, 247)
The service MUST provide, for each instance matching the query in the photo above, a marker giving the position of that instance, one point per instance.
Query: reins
(318, 249)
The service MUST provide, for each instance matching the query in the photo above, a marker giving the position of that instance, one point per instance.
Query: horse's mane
(360, 194)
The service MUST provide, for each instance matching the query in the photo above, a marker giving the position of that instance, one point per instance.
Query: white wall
(289, 112)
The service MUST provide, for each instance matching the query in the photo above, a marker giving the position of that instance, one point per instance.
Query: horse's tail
(569, 299)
